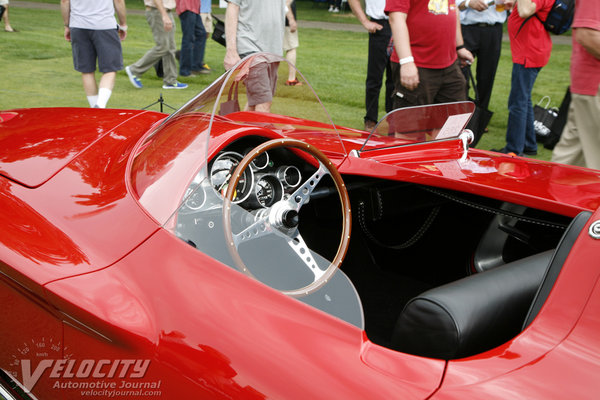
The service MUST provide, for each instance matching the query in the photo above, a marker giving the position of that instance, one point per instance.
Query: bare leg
(291, 57)
(89, 83)
(7, 26)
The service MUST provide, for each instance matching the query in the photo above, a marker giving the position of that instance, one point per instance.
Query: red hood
(35, 144)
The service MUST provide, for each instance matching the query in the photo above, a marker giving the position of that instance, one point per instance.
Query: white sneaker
(330, 9)
(336, 10)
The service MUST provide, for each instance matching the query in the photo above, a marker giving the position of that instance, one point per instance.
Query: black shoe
(530, 152)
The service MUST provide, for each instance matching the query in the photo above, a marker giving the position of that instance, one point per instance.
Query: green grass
(37, 70)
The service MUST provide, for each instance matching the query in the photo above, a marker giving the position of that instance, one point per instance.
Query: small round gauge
(262, 161)
(268, 190)
(290, 176)
(221, 171)
(195, 199)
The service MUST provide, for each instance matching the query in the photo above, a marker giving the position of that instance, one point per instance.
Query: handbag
(232, 104)
(543, 117)
(559, 122)
(481, 116)
(218, 34)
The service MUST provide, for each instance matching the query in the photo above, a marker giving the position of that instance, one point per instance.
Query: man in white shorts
(92, 29)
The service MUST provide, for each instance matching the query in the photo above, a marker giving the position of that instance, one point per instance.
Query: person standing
(193, 40)
(374, 20)
(92, 29)
(579, 143)
(482, 32)
(159, 14)
(531, 46)
(428, 52)
(255, 26)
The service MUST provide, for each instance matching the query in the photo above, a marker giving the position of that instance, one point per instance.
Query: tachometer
(220, 173)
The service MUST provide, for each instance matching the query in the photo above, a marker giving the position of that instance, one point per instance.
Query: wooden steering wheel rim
(342, 193)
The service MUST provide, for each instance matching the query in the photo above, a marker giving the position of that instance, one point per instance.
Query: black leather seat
(484, 310)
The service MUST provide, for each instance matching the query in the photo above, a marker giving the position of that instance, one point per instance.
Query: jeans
(193, 43)
(520, 134)
(378, 64)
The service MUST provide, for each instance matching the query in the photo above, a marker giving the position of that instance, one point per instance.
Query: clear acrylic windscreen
(297, 112)
(411, 125)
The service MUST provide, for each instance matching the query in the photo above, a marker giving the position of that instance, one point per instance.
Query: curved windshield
(183, 170)
(413, 125)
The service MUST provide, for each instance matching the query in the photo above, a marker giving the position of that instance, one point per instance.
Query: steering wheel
(283, 216)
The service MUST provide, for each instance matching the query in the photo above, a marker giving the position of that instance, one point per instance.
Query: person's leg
(106, 85)
(290, 44)
(160, 48)
(199, 44)
(587, 118)
(453, 86)
(377, 63)
(487, 62)
(168, 58)
(7, 26)
(472, 40)
(110, 60)
(89, 87)
(187, 21)
(260, 86)
(568, 150)
(520, 108)
(290, 55)
(84, 61)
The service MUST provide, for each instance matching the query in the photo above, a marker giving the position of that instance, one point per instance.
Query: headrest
(471, 315)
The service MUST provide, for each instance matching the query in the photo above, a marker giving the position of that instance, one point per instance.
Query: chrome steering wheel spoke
(296, 242)
(301, 195)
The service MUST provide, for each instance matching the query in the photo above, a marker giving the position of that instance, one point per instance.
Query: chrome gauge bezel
(192, 194)
(247, 181)
(283, 173)
(277, 187)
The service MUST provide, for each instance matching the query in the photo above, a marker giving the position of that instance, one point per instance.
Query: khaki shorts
(207, 22)
(290, 39)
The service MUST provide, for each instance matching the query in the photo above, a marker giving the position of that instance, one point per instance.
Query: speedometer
(221, 171)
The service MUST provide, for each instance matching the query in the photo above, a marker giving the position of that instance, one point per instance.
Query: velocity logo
(36, 359)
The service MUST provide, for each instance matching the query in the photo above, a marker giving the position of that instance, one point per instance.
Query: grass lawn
(37, 71)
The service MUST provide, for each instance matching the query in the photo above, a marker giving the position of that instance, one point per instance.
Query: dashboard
(271, 177)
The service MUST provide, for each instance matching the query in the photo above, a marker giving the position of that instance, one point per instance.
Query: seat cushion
(471, 315)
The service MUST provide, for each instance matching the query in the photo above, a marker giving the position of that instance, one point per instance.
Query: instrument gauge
(290, 176)
(220, 173)
(262, 161)
(195, 199)
(268, 190)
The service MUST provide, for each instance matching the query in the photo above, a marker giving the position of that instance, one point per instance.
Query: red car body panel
(185, 278)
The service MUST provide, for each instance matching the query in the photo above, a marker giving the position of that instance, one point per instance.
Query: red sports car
(224, 253)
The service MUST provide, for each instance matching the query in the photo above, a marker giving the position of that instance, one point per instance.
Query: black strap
(473, 84)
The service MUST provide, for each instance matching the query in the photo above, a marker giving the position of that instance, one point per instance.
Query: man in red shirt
(428, 44)
(531, 46)
(580, 140)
